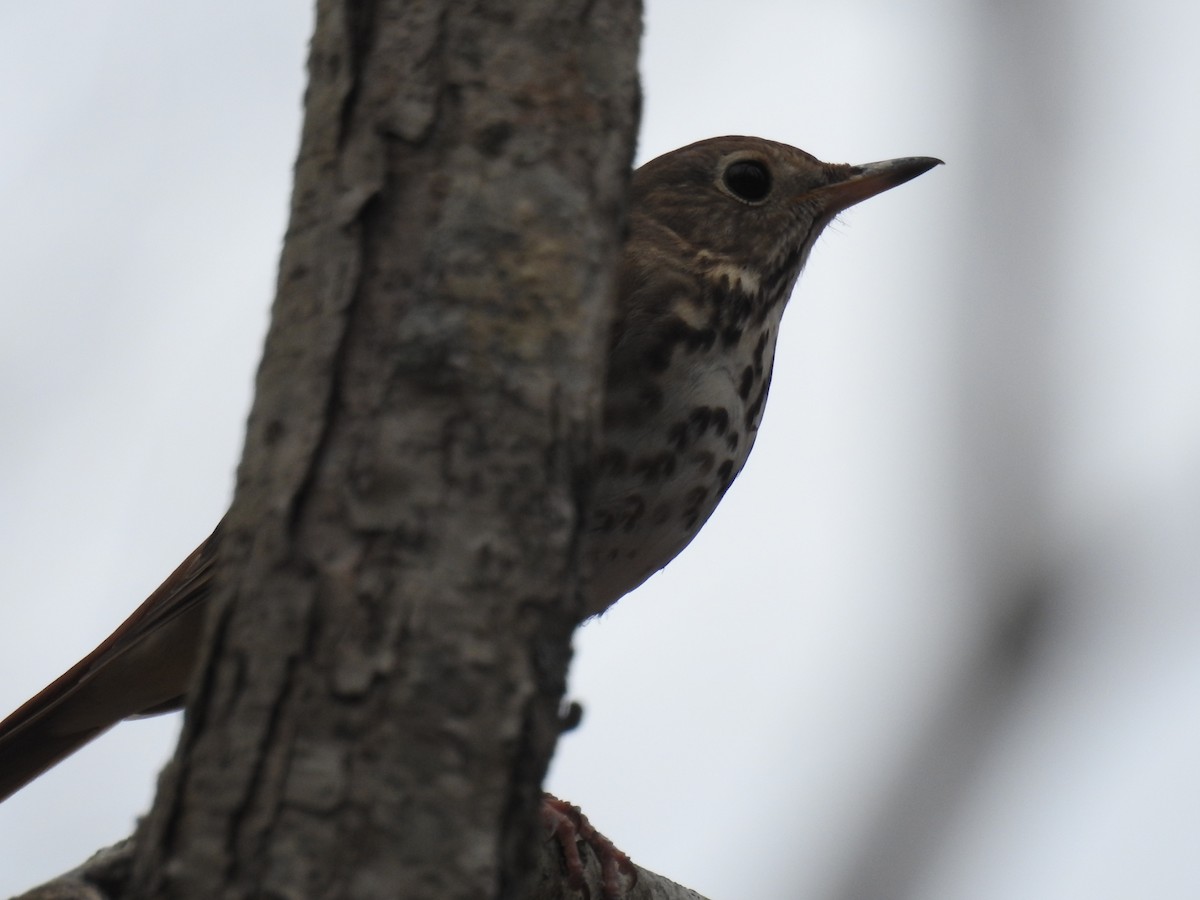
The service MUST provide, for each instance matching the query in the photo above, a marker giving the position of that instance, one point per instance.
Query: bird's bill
(874, 178)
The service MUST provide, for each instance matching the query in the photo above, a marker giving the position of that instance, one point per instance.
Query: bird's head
(748, 209)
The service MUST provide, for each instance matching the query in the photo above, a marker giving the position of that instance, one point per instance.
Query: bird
(717, 234)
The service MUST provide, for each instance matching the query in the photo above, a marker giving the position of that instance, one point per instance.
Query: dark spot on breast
(725, 473)
(603, 521)
(702, 339)
(650, 398)
(720, 420)
(732, 440)
(785, 270)
(747, 382)
(692, 505)
(658, 358)
(677, 333)
(655, 467)
(635, 507)
(752, 413)
(700, 420)
(754, 410)
(704, 461)
(759, 349)
(730, 336)
(734, 306)
(612, 462)
(677, 435)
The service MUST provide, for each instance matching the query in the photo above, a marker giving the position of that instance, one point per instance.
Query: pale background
(939, 642)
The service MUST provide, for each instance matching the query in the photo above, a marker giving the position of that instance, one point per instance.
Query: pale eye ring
(748, 179)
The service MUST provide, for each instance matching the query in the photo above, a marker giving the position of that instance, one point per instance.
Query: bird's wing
(142, 668)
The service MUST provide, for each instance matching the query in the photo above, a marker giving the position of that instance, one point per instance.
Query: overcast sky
(941, 635)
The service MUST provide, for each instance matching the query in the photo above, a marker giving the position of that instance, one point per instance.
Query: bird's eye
(748, 180)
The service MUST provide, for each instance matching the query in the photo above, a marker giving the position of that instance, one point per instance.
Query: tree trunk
(398, 568)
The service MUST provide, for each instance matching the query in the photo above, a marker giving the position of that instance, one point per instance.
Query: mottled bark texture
(398, 566)
(106, 875)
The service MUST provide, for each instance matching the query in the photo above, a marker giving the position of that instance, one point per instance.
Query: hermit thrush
(718, 234)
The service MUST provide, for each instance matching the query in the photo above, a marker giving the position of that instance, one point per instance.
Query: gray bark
(398, 568)
(106, 875)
